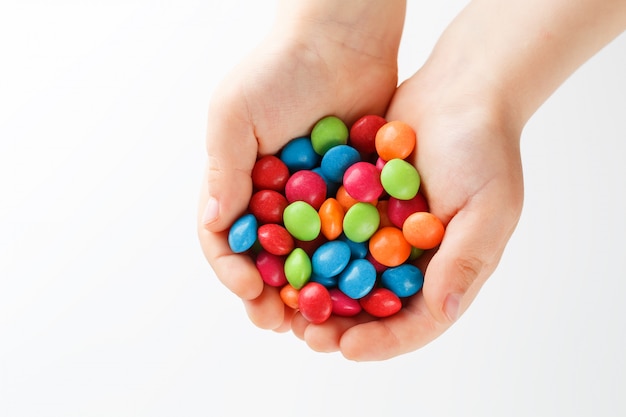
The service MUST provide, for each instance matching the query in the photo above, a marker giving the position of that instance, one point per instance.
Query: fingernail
(210, 211)
(451, 306)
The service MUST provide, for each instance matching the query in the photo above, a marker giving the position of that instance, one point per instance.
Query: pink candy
(362, 181)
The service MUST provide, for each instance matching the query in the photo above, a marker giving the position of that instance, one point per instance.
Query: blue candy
(404, 280)
(331, 258)
(299, 154)
(357, 279)
(243, 233)
(358, 249)
(337, 160)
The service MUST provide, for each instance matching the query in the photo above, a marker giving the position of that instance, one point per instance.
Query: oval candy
(302, 221)
(327, 133)
(267, 206)
(298, 268)
(243, 233)
(381, 302)
(272, 268)
(336, 161)
(361, 221)
(331, 258)
(357, 279)
(299, 154)
(362, 181)
(270, 173)
(275, 239)
(404, 280)
(314, 303)
(389, 247)
(400, 179)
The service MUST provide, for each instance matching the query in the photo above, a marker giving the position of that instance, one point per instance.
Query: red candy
(363, 133)
(314, 303)
(272, 268)
(270, 173)
(275, 239)
(306, 186)
(268, 206)
(381, 302)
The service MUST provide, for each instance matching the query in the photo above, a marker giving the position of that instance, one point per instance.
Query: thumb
(231, 151)
(473, 244)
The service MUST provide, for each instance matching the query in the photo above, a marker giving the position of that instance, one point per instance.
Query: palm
(271, 98)
(471, 175)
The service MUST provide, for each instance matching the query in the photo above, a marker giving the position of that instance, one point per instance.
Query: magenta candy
(314, 303)
(381, 302)
(275, 239)
(343, 305)
(362, 182)
(268, 206)
(270, 173)
(306, 186)
(272, 268)
(398, 210)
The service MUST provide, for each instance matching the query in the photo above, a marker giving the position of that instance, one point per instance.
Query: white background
(108, 308)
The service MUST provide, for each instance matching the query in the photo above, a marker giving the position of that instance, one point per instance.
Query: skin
(322, 58)
(491, 70)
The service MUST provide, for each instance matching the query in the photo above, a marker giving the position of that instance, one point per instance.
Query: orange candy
(389, 247)
(289, 295)
(395, 139)
(423, 230)
(331, 215)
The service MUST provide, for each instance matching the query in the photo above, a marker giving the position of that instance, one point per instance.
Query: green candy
(327, 133)
(298, 268)
(302, 221)
(400, 179)
(361, 222)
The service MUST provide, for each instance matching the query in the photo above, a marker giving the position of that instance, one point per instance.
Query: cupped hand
(288, 83)
(469, 160)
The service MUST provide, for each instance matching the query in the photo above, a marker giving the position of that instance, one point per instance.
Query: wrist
(368, 27)
(515, 56)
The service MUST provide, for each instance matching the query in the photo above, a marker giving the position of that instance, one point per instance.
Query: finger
(326, 337)
(231, 150)
(289, 313)
(266, 311)
(471, 248)
(469, 253)
(408, 330)
(236, 271)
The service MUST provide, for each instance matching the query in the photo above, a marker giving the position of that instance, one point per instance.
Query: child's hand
(343, 66)
(469, 160)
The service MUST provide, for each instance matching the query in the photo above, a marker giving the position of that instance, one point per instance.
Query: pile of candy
(336, 219)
